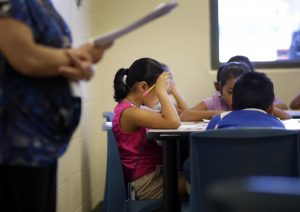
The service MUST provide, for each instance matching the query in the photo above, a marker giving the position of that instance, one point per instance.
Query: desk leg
(170, 175)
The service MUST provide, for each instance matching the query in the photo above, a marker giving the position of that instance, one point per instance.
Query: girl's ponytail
(120, 85)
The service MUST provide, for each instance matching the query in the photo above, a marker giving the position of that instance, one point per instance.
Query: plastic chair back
(259, 194)
(108, 115)
(234, 153)
(115, 192)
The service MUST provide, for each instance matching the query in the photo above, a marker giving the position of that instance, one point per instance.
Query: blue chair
(234, 153)
(115, 196)
(259, 194)
(108, 115)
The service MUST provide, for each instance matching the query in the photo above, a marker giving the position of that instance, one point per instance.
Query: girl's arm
(168, 110)
(133, 118)
(280, 104)
(295, 103)
(281, 113)
(181, 103)
(198, 113)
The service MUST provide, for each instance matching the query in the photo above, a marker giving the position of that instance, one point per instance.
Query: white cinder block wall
(181, 40)
(81, 170)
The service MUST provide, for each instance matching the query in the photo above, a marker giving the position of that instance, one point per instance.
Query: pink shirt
(216, 102)
(139, 155)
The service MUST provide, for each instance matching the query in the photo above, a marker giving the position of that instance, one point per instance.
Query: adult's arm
(29, 58)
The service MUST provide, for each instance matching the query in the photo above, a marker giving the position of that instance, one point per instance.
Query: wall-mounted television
(266, 31)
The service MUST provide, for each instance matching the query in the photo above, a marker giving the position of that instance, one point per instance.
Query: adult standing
(38, 112)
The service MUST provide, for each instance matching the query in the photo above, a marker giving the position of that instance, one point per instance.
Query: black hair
(219, 72)
(144, 69)
(232, 70)
(253, 90)
(242, 59)
(165, 67)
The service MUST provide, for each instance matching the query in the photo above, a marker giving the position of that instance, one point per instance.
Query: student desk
(170, 139)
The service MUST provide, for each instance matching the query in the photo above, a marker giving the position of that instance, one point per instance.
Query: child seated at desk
(295, 103)
(145, 82)
(279, 105)
(221, 101)
(252, 104)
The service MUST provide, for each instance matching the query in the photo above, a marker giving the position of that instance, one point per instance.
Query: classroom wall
(81, 169)
(180, 39)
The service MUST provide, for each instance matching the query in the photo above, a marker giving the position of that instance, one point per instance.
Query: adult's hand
(95, 51)
(80, 68)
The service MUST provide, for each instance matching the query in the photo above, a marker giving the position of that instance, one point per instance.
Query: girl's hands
(80, 68)
(171, 89)
(162, 82)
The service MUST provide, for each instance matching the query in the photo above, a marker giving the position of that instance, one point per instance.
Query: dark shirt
(37, 115)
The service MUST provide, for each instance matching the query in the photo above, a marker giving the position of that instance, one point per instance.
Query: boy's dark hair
(242, 59)
(232, 70)
(144, 69)
(252, 90)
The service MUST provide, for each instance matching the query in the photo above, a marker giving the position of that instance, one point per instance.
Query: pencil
(148, 91)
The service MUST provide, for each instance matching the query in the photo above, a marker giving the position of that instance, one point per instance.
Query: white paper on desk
(161, 10)
(292, 124)
(186, 126)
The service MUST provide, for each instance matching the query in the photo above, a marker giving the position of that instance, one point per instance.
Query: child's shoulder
(124, 105)
(121, 106)
(215, 97)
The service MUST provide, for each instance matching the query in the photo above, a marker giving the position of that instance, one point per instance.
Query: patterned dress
(37, 115)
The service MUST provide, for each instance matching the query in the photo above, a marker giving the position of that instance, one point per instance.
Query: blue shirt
(244, 118)
(37, 115)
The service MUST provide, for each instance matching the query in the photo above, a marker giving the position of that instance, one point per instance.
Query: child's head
(242, 59)
(237, 58)
(230, 72)
(253, 90)
(139, 77)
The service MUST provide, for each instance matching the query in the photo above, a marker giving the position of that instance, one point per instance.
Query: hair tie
(124, 79)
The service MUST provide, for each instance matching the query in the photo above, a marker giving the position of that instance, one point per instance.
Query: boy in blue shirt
(252, 104)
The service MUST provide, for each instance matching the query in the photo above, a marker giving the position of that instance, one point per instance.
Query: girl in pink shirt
(141, 157)
(221, 101)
